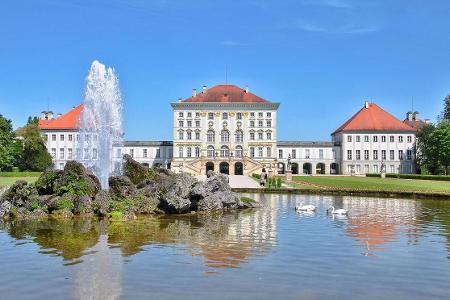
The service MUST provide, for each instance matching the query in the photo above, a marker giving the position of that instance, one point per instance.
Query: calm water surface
(384, 249)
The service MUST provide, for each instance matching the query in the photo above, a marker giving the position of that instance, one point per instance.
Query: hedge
(20, 174)
(419, 176)
(373, 175)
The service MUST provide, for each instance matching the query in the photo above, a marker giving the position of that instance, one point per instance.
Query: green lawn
(373, 184)
(7, 181)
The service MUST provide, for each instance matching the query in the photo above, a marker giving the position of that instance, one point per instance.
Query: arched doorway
(238, 168)
(320, 168)
(224, 168)
(307, 168)
(334, 168)
(280, 168)
(209, 166)
(294, 167)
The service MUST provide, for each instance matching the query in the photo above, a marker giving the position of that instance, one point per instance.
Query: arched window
(197, 151)
(189, 135)
(180, 152)
(225, 136)
(210, 151)
(210, 136)
(239, 136)
(180, 135)
(238, 151)
(224, 151)
(260, 135)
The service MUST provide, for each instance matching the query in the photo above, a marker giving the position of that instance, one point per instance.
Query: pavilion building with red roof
(374, 141)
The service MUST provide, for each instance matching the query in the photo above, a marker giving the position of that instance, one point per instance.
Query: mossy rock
(135, 171)
(45, 184)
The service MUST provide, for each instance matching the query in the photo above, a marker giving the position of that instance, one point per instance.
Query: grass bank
(362, 186)
(9, 180)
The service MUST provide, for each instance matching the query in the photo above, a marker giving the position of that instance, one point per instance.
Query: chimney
(409, 116)
(204, 89)
(416, 116)
(179, 99)
(43, 115)
(49, 115)
(194, 92)
(366, 104)
(59, 115)
(247, 89)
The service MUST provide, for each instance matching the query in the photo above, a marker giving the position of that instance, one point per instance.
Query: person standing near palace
(263, 178)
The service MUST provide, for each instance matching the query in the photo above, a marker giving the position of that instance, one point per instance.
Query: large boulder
(5, 208)
(76, 179)
(216, 182)
(219, 200)
(45, 184)
(183, 184)
(174, 204)
(82, 204)
(134, 170)
(101, 203)
(20, 194)
(121, 186)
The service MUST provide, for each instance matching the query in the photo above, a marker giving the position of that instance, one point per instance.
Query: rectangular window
(252, 152)
(409, 139)
(197, 115)
(69, 153)
(189, 115)
(358, 139)
(189, 123)
(252, 136)
(61, 137)
(180, 114)
(366, 168)
(210, 116)
(320, 153)
(86, 153)
(197, 135)
(54, 137)
(260, 151)
(391, 139)
(189, 152)
(383, 139)
(224, 116)
(269, 114)
(366, 138)
(375, 154)
(349, 155)
(408, 154)
(158, 153)
(61, 153)
(375, 138)
(391, 169)
(239, 116)
(180, 152)
(307, 153)
(400, 154)
(145, 153)
(400, 139)
(358, 169)
(53, 152)
(260, 135)
(260, 115)
(189, 135)
(269, 135)
(383, 154)
(180, 123)
(349, 138)
(294, 154)
(78, 137)
(260, 123)
(391, 155)
(94, 153)
(252, 114)
(252, 123)
(280, 153)
(269, 123)
(269, 151)
(366, 155)
(358, 154)
(132, 152)
(180, 135)
(197, 123)
(70, 137)
(375, 168)
(197, 152)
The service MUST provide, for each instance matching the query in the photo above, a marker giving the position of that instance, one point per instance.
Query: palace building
(228, 129)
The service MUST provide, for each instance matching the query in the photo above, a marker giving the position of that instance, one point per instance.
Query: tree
(35, 156)
(440, 141)
(425, 160)
(446, 112)
(10, 147)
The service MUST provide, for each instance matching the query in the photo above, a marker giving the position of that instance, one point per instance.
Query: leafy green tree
(10, 147)
(440, 145)
(35, 156)
(446, 112)
(425, 157)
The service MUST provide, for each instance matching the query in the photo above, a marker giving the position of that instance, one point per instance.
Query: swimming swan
(301, 207)
(340, 211)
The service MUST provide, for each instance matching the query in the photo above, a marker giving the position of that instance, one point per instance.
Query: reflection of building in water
(100, 275)
(376, 221)
(249, 234)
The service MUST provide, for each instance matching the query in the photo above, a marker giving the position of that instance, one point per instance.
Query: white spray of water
(101, 123)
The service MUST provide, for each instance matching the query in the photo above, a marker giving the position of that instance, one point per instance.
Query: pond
(384, 249)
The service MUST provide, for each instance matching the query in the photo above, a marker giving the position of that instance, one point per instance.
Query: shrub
(256, 176)
(373, 175)
(419, 176)
(279, 182)
(65, 203)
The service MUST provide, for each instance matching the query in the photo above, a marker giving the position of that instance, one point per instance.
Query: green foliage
(35, 156)
(122, 205)
(433, 143)
(65, 203)
(256, 176)
(117, 215)
(74, 186)
(279, 182)
(20, 174)
(446, 112)
(247, 200)
(419, 176)
(373, 175)
(10, 147)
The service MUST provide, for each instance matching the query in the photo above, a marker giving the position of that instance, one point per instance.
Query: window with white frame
(269, 151)
(269, 123)
(210, 136)
(260, 123)
(320, 153)
(197, 135)
(349, 154)
(252, 123)
(252, 136)
(189, 135)
(211, 116)
(307, 153)
(269, 135)
(210, 151)
(260, 151)
(224, 151)
(239, 116)
(239, 152)
(197, 151)
(224, 116)
(391, 155)
(409, 154)
(94, 153)
(189, 151)
(400, 154)
(383, 139)
(383, 154)
(180, 123)
(144, 153)
(391, 139)
(260, 135)
(400, 139)
(409, 139)
(61, 153)
(294, 154)
(180, 135)
(349, 138)
(189, 123)
(375, 154)
(366, 138)
(375, 138)
(358, 138)
(252, 152)
(132, 152)
(225, 136)
(239, 136)
(61, 137)
(358, 154)
(69, 153)
(280, 153)
(53, 137)
(197, 123)
(158, 153)
(366, 155)
(180, 152)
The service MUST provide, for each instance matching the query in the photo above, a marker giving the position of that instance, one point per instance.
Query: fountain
(101, 123)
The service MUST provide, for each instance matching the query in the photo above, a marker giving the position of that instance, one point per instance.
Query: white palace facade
(228, 129)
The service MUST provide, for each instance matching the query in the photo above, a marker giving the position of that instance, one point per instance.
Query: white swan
(340, 211)
(301, 207)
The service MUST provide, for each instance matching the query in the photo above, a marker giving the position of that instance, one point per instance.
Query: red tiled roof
(226, 93)
(373, 118)
(416, 124)
(66, 121)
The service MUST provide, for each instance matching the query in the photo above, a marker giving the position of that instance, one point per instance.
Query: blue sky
(319, 58)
